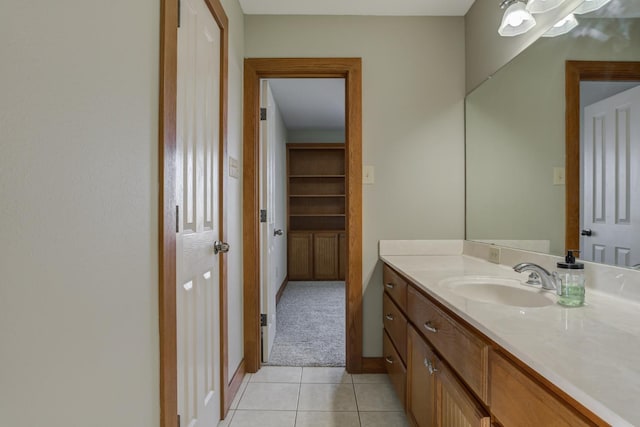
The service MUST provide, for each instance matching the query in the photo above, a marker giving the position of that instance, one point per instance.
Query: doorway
(256, 70)
(303, 233)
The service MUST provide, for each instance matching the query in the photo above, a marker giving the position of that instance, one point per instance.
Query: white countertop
(592, 352)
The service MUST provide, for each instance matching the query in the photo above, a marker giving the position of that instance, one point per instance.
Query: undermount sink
(499, 291)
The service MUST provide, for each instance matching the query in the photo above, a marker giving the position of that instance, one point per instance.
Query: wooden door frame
(259, 68)
(575, 72)
(167, 209)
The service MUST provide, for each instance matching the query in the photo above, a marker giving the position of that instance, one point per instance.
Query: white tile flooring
(314, 397)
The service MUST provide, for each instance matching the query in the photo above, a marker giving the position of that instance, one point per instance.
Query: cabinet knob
(389, 316)
(389, 285)
(429, 327)
(389, 360)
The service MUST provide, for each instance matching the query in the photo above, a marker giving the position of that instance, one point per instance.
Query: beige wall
(78, 191)
(78, 230)
(413, 92)
(486, 50)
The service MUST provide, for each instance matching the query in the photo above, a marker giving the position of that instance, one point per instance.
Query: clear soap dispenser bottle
(570, 281)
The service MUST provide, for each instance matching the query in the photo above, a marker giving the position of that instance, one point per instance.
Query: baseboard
(373, 365)
(281, 289)
(233, 387)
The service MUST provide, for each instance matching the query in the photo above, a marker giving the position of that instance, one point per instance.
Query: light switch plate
(234, 167)
(494, 255)
(558, 176)
(368, 174)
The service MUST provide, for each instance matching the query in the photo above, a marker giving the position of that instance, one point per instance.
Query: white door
(197, 180)
(611, 180)
(268, 285)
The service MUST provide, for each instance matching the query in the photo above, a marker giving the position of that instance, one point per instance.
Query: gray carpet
(310, 325)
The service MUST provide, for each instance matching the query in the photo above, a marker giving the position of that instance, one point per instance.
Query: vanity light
(516, 20)
(590, 5)
(542, 6)
(563, 26)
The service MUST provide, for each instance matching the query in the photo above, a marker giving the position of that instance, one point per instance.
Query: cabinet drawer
(396, 325)
(395, 286)
(517, 400)
(395, 367)
(465, 352)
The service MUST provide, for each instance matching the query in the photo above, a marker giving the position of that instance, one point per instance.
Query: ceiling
(310, 103)
(357, 7)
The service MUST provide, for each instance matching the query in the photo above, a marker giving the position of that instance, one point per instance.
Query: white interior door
(611, 180)
(197, 157)
(268, 285)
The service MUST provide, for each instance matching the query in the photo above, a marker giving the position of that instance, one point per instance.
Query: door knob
(278, 232)
(220, 247)
(586, 232)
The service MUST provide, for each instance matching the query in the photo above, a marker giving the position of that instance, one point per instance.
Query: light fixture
(589, 6)
(542, 6)
(563, 26)
(516, 20)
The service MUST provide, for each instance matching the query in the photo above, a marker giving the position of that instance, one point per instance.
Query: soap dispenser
(569, 277)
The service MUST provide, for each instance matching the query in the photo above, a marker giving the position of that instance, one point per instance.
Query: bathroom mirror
(516, 162)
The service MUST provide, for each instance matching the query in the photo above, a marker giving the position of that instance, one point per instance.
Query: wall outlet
(494, 255)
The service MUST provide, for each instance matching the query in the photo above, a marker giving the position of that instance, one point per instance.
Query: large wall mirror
(525, 188)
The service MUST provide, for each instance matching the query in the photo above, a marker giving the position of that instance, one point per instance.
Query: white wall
(78, 229)
(413, 92)
(234, 192)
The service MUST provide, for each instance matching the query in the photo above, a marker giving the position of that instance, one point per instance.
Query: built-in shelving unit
(316, 205)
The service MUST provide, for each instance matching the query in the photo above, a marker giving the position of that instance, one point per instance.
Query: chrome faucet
(547, 280)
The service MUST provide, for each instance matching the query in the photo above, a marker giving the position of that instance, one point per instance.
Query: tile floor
(314, 397)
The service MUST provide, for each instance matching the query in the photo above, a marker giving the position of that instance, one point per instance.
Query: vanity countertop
(592, 352)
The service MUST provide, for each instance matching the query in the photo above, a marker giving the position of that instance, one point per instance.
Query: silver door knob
(220, 247)
(278, 232)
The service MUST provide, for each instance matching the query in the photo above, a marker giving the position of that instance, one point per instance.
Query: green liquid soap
(571, 296)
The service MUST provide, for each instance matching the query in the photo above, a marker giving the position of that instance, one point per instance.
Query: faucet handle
(534, 279)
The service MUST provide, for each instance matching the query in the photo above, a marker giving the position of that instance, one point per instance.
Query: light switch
(367, 174)
(558, 176)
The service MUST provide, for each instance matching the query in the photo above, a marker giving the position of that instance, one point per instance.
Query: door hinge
(263, 319)
(179, 13)
(178, 420)
(263, 114)
(263, 215)
(177, 218)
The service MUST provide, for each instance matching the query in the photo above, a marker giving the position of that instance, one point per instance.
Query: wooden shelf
(319, 214)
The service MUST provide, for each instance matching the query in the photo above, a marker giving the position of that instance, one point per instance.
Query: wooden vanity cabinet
(455, 376)
(435, 397)
(517, 400)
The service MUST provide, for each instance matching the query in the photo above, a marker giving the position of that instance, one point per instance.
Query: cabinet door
(300, 251)
(455, 406)
(325, 256)
(421, 383)
(342, 256)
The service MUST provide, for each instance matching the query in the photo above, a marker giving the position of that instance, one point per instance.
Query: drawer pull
(429, 327)
(389, 360)
(429, 366)
(389, 285)
(388, 316)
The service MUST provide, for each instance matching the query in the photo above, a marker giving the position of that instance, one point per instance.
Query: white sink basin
(499, 291)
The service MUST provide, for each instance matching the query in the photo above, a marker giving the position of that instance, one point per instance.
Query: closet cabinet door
(421, 383)
(300, 253)
(325, 256)
(342, 256)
